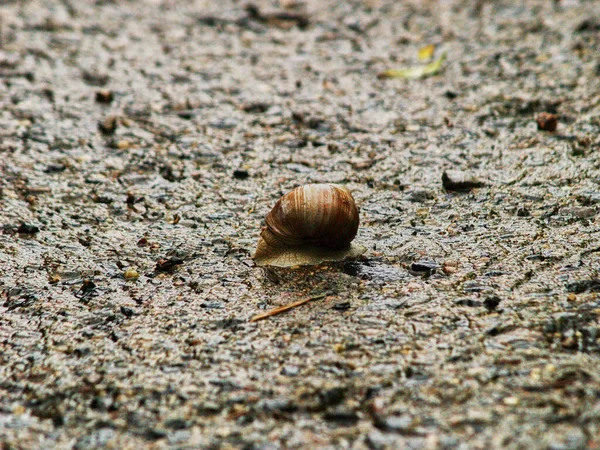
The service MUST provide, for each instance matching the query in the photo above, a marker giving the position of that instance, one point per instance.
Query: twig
(287, 307)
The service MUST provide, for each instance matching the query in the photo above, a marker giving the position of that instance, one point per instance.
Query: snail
(309, 225)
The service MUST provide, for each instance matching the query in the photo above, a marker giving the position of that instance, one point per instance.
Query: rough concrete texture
(152, 137)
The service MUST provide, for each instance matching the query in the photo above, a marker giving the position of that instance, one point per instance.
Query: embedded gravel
(143, 142)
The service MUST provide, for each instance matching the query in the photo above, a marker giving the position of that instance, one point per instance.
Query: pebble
(240, 174)
(342, 416)
(454, 180)
(104, 96)
(95, 78)
(255, 107)
(398, 424)
(26, 228)
(290, 371)
(55, 168)
(123, 144)
(186, 114)
(341, 306)
(127, 312)
(131, 274)
(108, 125)
(547, 121)
(213, 305)
(491, 302)
(425, 266)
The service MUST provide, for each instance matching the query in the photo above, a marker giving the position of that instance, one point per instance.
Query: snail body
(309, 225)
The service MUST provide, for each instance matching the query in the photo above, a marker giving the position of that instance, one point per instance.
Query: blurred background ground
(152, 137)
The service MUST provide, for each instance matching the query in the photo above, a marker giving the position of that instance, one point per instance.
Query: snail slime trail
(309, 225)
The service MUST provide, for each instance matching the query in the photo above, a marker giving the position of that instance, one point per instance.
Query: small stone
(590, 24)
(240, 174)
(426, 267)
(398, 424)
(315, 122)
(108, 125)
(341, 306)
(186, 114)
(255, 107)
(475, 372)
(167, 265)
(511, 401)
(475, 416)
(177, 423)
(455, 180)
(491, 302)
(131, 274)
(123, 144)
(332, 396)
(95, 78)
(569, 343)
(290, 371)
(341, 416)
(276, 405)
(581, 286)
(26, 228)
(213, 305)
(154, 434)
(53, 279)
(87, 286)
(55, 168)
(450, 267)
(127, 312)
(104, 96)
(339, 348)
(547, 121)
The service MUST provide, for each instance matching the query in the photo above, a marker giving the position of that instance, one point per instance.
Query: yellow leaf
(426, 53)
(410, 73)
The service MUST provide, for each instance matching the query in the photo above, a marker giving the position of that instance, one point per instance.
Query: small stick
(287, 307)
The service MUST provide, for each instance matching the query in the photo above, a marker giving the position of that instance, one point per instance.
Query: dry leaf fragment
(410, 73)
(426, 53)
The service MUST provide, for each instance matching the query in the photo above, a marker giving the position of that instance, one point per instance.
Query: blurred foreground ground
(472, 321)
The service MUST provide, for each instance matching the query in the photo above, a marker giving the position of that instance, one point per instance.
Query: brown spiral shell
(308, 225)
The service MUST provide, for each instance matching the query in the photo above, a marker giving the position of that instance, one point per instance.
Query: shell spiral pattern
(311, 224)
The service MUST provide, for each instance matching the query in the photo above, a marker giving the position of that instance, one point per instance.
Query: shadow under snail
(309, 225)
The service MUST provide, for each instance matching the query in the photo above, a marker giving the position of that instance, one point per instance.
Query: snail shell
(311, 224)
